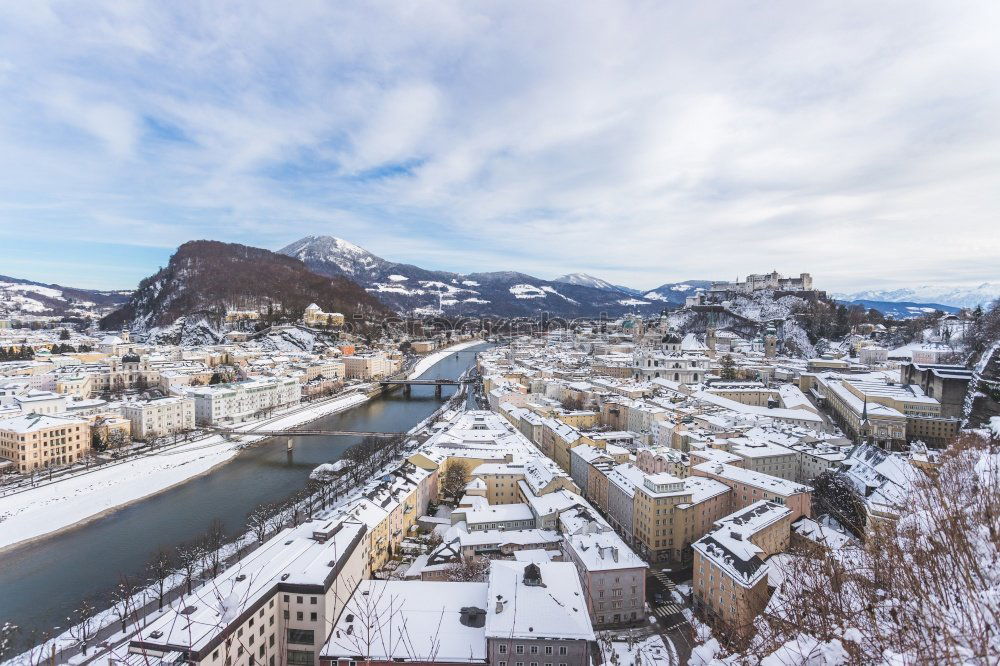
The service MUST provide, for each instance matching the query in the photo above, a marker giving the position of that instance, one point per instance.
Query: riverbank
(105, 627)
(75, 501)
(427, 362)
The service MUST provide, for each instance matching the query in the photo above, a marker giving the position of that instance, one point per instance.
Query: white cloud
(639, 142)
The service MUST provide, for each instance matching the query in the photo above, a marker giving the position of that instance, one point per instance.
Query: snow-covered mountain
(585, 280)
(23, 297)
(349, 259)
(956, 296)
(903, 309)
(412, 289)
(674, 293)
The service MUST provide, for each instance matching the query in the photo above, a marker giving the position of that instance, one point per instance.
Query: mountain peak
(349, 259)
(585, 280)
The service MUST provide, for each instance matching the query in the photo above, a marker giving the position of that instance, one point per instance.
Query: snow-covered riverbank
(53, 507)
(424, 364)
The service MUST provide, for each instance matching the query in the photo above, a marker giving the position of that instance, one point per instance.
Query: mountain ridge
(420, 291)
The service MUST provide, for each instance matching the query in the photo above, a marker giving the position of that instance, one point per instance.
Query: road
(670, 622)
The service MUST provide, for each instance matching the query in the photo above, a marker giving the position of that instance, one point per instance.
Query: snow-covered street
(53, 507)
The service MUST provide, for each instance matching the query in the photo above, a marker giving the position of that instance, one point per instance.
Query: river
(42, 582)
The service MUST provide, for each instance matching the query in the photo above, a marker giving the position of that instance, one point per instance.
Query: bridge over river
(42, 582)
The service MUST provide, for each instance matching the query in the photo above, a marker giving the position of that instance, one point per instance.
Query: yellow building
(730, 564)
(314, 316)
(36, 441)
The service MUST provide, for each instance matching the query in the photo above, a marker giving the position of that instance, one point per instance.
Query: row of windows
(533, 649)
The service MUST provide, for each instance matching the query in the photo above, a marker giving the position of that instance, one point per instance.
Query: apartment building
(36, 441)
(369, 366)
(749, 487)
(613, 577)
(160, 416)
(730, 564)
(653, 460)
(535, 615)
(276, 606)
(668, 513)
(227, 403)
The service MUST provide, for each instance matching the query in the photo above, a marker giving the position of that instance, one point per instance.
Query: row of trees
(372, 454)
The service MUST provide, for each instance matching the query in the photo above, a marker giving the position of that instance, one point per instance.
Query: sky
(641, 142)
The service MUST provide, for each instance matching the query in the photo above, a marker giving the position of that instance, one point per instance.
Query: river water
(42, 582)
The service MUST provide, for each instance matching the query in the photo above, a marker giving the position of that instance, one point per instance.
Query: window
(302, 636)
(301, 658)
(519, 649)
(286, 598)
(298, 600)
(298, 616)
(563, 650)
(534, 649)
(548, 650)
(312, 616)
(503, 649)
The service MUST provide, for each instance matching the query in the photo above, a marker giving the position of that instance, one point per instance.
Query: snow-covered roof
(602, 551)
(417, 621)
(555, 609)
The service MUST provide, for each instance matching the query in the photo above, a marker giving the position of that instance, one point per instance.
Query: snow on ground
(56, 506)
(426, 362)
(526, 291)
(648, 651)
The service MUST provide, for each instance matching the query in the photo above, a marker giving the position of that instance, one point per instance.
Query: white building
(160, 416)
(240, 400)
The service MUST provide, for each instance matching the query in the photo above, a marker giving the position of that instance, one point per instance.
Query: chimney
(499, 604)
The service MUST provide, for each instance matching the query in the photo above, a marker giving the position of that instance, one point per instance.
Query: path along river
(42, 582)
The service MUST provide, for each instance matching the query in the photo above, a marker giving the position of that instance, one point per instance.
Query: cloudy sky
(640, 142)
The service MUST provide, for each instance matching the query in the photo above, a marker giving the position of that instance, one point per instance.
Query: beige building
(730, 564)
(314, 316)
(670, 513)
(36, 441)
(369, 366)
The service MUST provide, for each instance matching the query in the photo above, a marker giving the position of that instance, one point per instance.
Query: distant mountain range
(955, 296)
(902, 309)
(420, 291)
(207, 278)
(20, 297)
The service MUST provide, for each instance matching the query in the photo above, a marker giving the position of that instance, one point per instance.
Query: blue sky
(640, 142)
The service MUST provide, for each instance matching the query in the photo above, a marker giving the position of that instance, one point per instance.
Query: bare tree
(189, 557)
(159, 569)
(212, 544)
(915, 587)
(455, 479)
(82, 623)
(260, 520)
(472, 570)
(123, 600)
